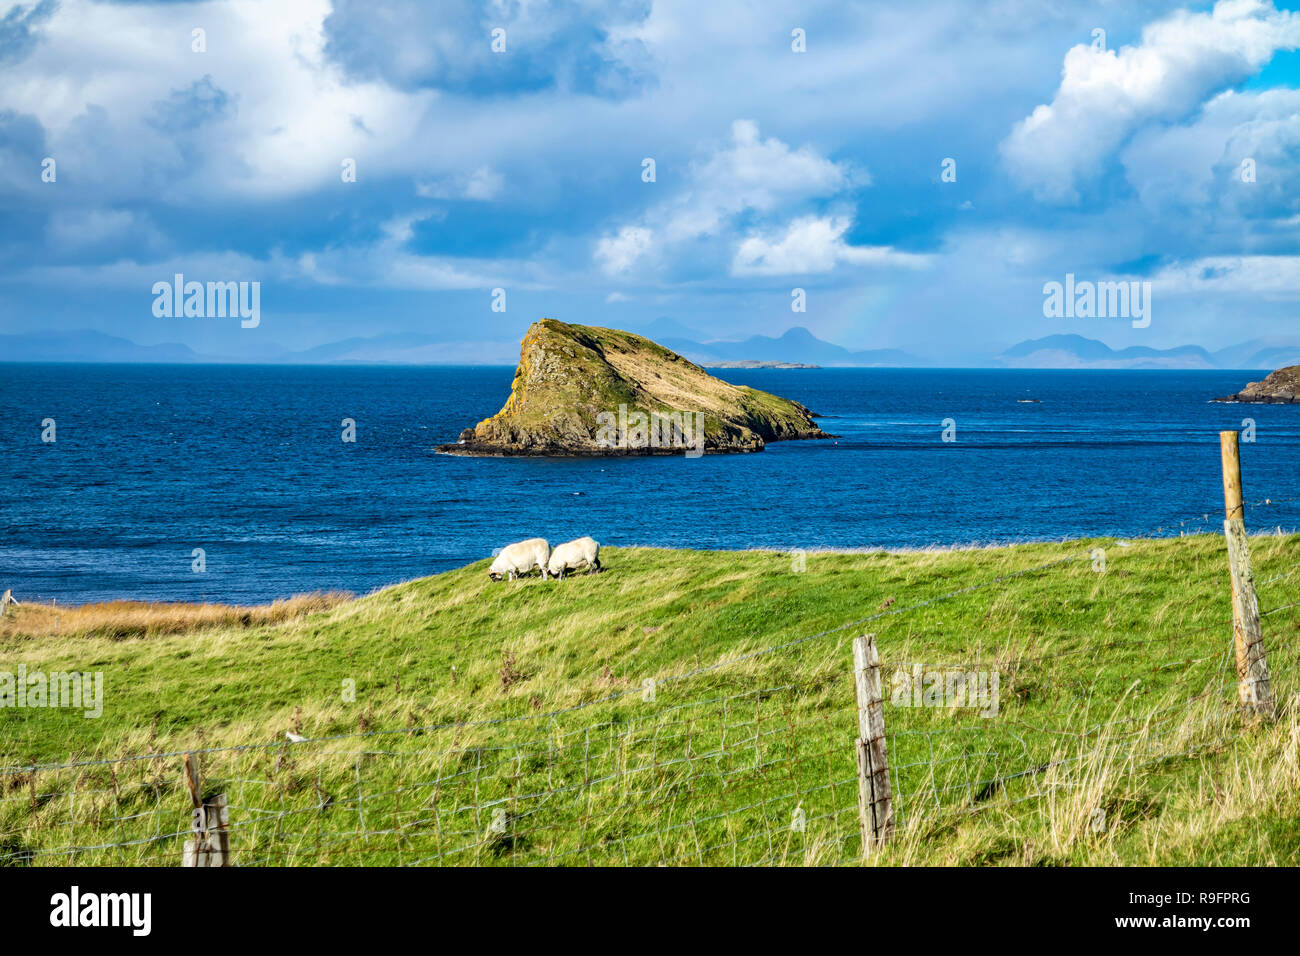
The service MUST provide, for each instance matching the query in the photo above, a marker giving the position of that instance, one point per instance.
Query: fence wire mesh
(718, 765)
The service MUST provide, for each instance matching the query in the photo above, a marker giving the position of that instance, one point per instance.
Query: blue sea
(247, 463)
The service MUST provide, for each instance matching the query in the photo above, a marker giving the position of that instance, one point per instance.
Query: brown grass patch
(118, 620)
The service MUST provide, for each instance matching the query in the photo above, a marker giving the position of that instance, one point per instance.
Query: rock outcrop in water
(1280, 388)
(586, 391)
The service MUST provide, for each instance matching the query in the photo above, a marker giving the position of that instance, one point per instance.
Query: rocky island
(586, 391)
(1280, 388)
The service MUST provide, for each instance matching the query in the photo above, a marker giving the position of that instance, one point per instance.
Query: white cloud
(425, 272)
(877, 81)
(1248, 277)
(134, 274)
(382, 265)
(1201, 161)
(1104, 95)
(401, 229)
(813, 244)
(291, 116)
(618, 253)
(750, 175)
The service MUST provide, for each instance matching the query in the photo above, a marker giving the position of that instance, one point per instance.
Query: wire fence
(718, 765)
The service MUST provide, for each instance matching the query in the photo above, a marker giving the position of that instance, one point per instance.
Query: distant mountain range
(795, 346)
(1075, 351)
(406, 348)
(86, 346)
(394, 349)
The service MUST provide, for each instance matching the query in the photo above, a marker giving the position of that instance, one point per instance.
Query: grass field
(450, 720)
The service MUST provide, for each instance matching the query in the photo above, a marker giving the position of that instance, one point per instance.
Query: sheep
(520, 558)
(572, 555)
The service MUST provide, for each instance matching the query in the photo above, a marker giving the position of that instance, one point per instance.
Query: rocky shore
(1280, 388)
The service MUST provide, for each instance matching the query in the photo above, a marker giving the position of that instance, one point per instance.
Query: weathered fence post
(1253, 687)
(210, 820)
(875, 803)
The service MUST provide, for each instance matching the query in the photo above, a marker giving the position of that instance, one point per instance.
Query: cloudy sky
(222, 155)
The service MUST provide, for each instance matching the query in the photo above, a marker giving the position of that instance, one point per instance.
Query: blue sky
(775, 169)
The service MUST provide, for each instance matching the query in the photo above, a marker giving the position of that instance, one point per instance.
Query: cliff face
(581, 390)
(1282, 387)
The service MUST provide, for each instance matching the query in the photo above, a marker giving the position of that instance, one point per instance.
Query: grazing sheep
(574, 554)
(520, 558)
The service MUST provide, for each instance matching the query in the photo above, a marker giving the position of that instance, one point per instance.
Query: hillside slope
(451, 720)
(578, 388)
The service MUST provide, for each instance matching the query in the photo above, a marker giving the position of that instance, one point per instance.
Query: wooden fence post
(875, 803)
(209, 821)
(1253, 687)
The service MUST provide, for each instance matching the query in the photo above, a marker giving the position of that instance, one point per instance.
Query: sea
(232, 483)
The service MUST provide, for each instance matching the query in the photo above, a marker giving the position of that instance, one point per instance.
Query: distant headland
(1280, 388)
(754, 363)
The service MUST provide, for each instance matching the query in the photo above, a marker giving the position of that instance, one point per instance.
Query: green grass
(508, 723)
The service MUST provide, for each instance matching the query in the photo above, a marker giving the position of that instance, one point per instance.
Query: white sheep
(574, 554)
(520, 558)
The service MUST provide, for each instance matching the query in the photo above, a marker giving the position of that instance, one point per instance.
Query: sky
(920, 170)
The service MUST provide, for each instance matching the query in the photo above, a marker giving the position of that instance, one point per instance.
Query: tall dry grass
(119, 620)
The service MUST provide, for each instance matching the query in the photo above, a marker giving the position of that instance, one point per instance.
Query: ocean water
(151, 462)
